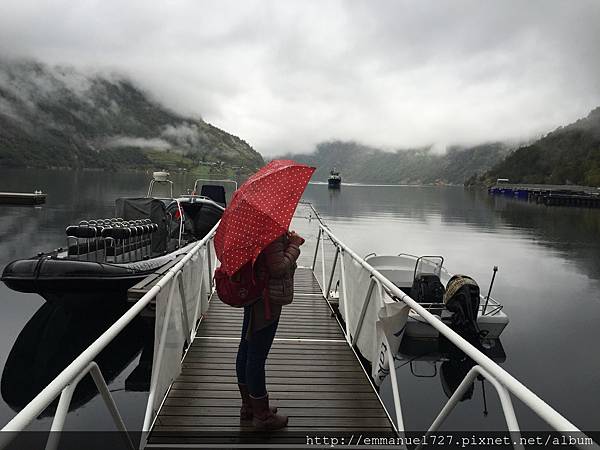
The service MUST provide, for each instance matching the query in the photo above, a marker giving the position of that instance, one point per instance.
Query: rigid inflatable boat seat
(98, 234)
(117, 233)
(214, 192)
(82, 231)
(141, 211)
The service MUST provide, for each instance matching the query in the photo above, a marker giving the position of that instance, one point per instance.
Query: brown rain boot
(246, 409)
(264, 419)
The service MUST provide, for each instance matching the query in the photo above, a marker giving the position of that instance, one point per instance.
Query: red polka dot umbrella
(259, 212)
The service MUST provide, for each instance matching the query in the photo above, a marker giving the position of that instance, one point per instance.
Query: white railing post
(209, 263)
(332, 274)
(346, 318)
(198, 298)
(395, 389)
(505, 401)
(60, 416)
(323, 261)
(66, 397)
(184, 311)
(452, 401)
(102, 387)
(363, 311)
(314, 261)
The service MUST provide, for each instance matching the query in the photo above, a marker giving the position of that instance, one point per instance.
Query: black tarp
(214, 192)
(146, 208)
(201, 218)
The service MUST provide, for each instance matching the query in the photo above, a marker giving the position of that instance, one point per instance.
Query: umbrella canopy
(259, 212)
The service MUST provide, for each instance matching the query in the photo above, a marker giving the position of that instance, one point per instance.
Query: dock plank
(313, 376)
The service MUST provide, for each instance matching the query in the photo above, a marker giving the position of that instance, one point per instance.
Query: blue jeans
(252, 356)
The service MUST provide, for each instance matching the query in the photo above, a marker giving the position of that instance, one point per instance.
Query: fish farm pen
(550, 195)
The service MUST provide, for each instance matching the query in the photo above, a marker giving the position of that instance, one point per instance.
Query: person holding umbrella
(255, 229)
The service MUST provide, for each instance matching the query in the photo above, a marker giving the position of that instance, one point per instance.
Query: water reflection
(573, 232)
(442, 359)
(54, 337)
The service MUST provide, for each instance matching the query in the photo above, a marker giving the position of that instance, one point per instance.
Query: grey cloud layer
(287, 74)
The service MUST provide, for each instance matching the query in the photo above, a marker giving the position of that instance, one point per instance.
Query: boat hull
(80, 283)
(334, 183)
(70, 281)
(491, 326)
(19, 198)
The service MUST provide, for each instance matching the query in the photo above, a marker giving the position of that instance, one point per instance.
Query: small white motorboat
(408, 271)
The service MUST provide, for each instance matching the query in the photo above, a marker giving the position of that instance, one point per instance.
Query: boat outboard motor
(462, 300)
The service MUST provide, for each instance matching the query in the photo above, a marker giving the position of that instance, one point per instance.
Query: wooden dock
(313, 376)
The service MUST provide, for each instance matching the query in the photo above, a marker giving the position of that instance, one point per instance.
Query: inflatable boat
(104, 257)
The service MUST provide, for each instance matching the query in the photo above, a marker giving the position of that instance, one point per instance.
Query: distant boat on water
(335, 180)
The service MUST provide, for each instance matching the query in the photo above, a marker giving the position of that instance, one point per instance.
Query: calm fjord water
(549, 280)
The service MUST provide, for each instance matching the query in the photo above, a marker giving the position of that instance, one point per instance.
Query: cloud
(128, 141)
(286, 75)
(186, 135)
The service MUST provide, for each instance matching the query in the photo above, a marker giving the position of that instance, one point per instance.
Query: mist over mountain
(567, 155)
(61, 117)
(364, 164)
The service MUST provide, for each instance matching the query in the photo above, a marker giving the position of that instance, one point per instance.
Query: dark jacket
(277, 262)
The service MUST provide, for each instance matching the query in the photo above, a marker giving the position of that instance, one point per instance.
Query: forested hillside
(360, 163)
(59, 117)
(568, 155)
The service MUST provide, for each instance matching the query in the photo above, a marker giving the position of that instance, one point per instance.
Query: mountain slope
(360, 163)
(54, 116)
(568, 155)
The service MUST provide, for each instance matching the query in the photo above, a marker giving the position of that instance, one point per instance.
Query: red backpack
(242, 288)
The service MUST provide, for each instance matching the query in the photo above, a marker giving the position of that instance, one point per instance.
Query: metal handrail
(151, 187)
(315, 212)
(85, 361)
(486, 365)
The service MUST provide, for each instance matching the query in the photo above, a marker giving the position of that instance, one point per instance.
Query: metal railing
(65, 383)
(504, 383)
(171, 293)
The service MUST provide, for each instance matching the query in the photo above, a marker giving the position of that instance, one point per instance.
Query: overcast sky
(284, 74)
